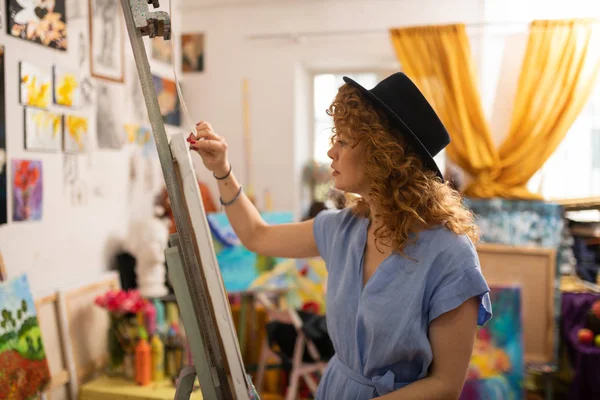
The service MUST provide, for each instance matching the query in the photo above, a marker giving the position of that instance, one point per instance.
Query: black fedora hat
(409, 112)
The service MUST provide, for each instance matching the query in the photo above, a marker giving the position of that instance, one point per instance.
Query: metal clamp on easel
(191, 259)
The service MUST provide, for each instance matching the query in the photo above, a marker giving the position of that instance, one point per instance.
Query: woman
(405, 290)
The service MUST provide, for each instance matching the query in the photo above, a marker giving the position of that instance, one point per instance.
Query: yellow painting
(66, 88)
(43, 130)
(36, 85)
(76, 133)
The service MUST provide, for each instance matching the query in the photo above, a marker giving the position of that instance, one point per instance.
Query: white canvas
(43, 130)
(214, 282)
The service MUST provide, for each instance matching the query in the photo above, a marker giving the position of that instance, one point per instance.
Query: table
(109, 388)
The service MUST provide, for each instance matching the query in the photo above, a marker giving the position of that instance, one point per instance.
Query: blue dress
(380, 332)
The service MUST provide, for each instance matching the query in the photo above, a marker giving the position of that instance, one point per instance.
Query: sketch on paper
(83, 49)
(168, 101)
(109, 130)
(161, 50)
(106, 40)
(43, 130)
(87, 91)
(67, 89)
(3, 180)
(38, 21)
(36, 85)
(135, 96)
(25, 369)
(76, 137)
(70, 169)
(27, 187)
(192, 52)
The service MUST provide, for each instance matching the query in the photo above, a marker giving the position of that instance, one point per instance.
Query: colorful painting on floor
(36, 85)
(27, 186)
(67, 89)
(239, 266)
(168, 100)
(25, 370)
(43, 130)
(192, 52)
(38, 21)
(497, 370)
(76, 137)
(3, 180)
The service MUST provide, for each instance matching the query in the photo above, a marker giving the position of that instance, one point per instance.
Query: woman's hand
(211, 147)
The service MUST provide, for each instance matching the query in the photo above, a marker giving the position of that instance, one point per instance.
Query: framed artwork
(107, 47)
(22, 355)
(67, 87)
(76, 134)
(39, 21)
(28, 190)
(168, 100)
(161, 50)
(109, 127)
(43, 130)
(36, 85)
(192, 52)
(3, 182)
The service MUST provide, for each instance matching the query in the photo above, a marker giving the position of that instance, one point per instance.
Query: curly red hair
(407, 197)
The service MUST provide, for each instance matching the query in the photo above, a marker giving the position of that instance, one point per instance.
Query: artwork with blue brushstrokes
(496, 369)
(518, 222)
(239, 266)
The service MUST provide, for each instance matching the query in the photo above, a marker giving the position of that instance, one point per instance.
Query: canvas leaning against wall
(3, 180)
(42, 22)
(23, 363)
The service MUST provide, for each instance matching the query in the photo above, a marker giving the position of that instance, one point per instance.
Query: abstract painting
(76, 134)
(3, 180)
(27, 186)
(240, 268)
(496, 370)
(109, 129)
(143, 137)
(168, 100)
(192, 52)
(25, 370)
(36, 85)
(161, 50)
(107, 40)
(67, 88)
(38, 21)
(43, 130)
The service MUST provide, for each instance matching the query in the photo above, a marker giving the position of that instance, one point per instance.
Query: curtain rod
(298, 35)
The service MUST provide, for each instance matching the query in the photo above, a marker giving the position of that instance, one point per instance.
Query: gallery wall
(79, 185)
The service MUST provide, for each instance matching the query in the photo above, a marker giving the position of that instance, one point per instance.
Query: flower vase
(116, 353)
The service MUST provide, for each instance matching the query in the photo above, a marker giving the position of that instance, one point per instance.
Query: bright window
(573, 171)
(325, 87)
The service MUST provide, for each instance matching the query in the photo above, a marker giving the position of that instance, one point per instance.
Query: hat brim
(404, 128)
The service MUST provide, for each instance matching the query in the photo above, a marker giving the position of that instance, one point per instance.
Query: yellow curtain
(438, 60)
(557, 77)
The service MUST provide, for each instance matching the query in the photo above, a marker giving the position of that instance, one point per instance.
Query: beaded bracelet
(220, 178)
(233, 200)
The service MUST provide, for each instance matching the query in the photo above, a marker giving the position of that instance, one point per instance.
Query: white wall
(280, 70)
(73, 244)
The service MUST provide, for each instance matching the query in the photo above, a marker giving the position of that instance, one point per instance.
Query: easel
(191, 260)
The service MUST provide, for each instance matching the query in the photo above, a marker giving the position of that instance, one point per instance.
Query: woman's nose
(331, 153)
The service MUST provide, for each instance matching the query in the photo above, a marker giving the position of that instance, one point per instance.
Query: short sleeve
(458, 278)
(324, 227)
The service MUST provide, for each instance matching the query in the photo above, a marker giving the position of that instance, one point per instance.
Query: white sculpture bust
(147, 240)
